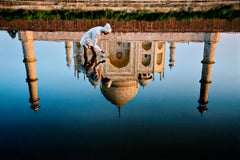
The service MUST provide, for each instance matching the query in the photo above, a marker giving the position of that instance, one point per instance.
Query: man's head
(107, 29)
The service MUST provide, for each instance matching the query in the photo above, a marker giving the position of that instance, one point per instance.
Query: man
(90, 39)
(93, 73)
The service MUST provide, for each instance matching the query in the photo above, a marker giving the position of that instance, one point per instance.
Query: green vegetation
(221, 12)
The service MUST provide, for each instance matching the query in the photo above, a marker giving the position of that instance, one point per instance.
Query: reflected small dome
(144, 79)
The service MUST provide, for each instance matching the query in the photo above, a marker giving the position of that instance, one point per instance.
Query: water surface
(161, 120)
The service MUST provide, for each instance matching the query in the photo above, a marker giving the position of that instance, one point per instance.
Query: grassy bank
(220, 12)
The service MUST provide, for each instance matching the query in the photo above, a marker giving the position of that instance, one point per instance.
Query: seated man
(91, 37)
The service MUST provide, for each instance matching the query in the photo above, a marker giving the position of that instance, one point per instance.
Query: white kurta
(91, 37)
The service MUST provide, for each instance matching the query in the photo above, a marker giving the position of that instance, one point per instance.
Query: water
(160, 120)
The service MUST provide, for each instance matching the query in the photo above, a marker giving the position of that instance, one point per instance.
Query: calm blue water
(75, 120)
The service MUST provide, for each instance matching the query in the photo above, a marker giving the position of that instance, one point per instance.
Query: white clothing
(91, 37)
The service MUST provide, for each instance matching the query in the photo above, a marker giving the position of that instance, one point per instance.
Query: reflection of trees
(12, 34)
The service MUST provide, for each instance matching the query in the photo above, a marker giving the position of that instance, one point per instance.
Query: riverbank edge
(126, 7)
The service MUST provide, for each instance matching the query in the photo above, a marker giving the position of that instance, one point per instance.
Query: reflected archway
(119, 54)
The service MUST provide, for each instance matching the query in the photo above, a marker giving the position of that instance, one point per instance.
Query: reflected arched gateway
(146, 58)
(119, 54)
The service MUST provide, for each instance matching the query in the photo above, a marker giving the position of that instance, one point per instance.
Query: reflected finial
(202, 108)
(35, 107)
(171, 65)
(119, 112)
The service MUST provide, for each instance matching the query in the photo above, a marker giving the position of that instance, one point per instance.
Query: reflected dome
(120, 92)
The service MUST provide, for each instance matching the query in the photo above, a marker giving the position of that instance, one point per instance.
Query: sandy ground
(129, 7)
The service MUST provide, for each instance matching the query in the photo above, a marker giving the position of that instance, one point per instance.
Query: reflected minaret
(30, 64)
(172, 54)
(78, 59)
(207, 66)
(68, 53)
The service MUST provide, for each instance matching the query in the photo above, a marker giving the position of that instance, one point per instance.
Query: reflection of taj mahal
(133, 60)
(130, 63)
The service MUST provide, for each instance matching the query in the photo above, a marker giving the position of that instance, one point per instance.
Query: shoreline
(183, 17)
(190, 5)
